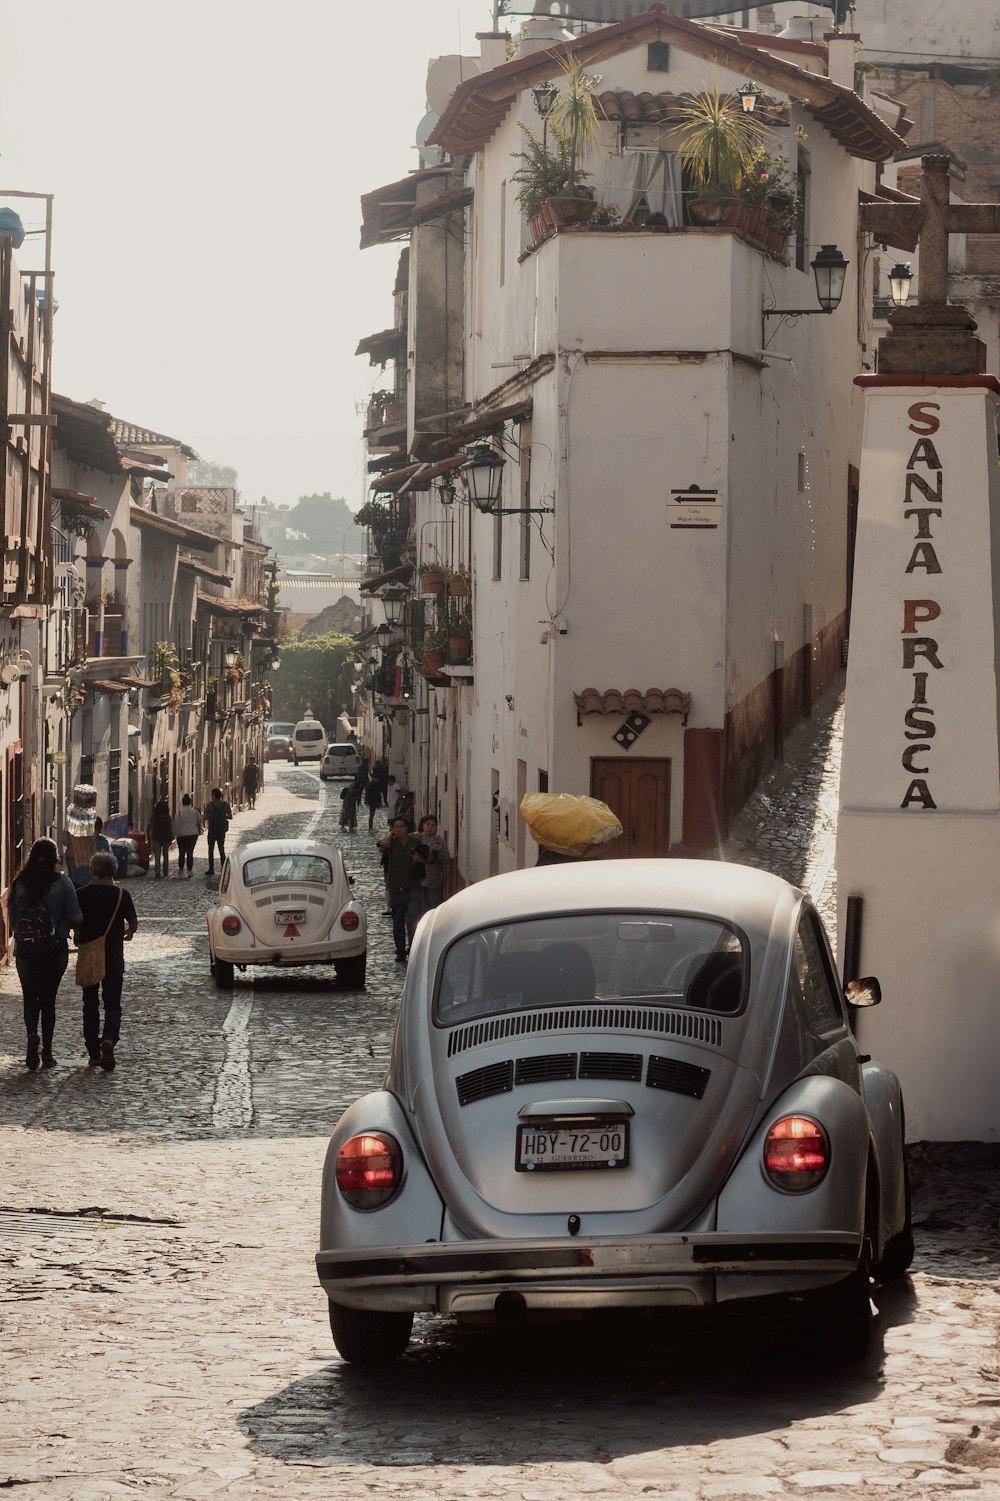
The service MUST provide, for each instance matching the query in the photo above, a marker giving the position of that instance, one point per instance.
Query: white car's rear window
(289, 869)
(659, 960)
(309, 734)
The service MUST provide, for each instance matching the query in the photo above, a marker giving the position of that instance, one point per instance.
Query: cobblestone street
(166, 1336)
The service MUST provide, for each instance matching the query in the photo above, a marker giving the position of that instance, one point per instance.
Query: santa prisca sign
(921, 731)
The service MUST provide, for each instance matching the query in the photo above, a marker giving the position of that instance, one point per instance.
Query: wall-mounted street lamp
(382, 636)
(830, 270)
(899, 283)
(749, 93)
(483, 471)
(392, 602)
(275, 663)
(230, 656)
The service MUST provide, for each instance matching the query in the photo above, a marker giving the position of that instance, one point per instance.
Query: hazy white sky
(207, 158)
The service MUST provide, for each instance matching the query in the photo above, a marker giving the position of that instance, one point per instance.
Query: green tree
(317, 673)
(328, 522)
(207, 472)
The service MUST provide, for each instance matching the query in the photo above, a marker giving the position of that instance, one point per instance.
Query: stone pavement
(165, 1335)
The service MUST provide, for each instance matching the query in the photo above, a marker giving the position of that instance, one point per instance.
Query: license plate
(560, 1148)
(291, 914)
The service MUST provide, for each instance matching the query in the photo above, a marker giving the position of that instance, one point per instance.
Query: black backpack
(34, 930)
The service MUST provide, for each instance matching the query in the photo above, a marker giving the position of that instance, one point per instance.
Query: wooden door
(638, 791)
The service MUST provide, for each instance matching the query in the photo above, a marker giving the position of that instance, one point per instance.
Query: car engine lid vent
(496, 1078)
(547, 1066)
(681, 1078)
(611, 1066)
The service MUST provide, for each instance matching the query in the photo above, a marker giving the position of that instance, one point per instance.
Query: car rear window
(659, 960)
(341, 750)
(288, 869)
(280, 729)
(309, 733)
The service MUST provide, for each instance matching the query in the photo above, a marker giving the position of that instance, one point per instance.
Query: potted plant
(432, 578)
(717, 140)
(769, 187)
(459, 628)
(432, 652)
(543, 174)
(459, 583)
(552, 187)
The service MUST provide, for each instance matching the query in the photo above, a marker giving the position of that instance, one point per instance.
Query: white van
(308, 741)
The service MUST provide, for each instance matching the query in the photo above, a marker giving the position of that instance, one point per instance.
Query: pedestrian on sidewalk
(373, 798)
(406, 804)
(349, 799)
(251, 781)
(161, 834)
(187, 827)
(436, 855)
(403, 875)
(217, 818)
(43, 906)
(108, 910)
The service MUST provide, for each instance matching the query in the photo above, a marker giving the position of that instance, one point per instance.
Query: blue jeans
(39, 975)
(406, 904)
(164, 850)
(112, 985)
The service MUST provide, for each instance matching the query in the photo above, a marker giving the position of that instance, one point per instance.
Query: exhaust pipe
(510, 1307)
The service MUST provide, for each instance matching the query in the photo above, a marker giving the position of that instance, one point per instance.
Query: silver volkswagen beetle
(621, 1085)
(287, 902)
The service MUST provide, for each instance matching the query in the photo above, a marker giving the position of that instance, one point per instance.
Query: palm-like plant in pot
(718, 141)
(552, 187)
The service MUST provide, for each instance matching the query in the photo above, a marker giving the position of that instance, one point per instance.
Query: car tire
(351, 972)
(224, 973)
(366, 1337)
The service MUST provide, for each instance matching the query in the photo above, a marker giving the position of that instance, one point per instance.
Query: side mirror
(866, 992)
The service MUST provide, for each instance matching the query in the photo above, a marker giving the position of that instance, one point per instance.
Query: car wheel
(223, 972)
(366, 1337)
(351, 972)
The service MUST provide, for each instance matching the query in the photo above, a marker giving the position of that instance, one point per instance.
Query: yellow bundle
(568, 823)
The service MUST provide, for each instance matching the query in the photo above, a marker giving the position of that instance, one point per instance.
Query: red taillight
(369, 1170)
(796, 1153)
(350, 921)
(231, 925)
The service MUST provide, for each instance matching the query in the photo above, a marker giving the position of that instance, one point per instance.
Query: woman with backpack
(43, 907)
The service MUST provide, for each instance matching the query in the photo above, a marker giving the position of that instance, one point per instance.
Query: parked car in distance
(619, 1087)
(280, 727)
(287, 902)
(340, 760)
(308, 740)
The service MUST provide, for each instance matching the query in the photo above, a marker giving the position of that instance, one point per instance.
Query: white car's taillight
(369, 1170)
(349, 921)
(796, 1153)
(231, 925)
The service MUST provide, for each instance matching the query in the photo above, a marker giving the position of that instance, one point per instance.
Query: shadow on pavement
(594, 1391)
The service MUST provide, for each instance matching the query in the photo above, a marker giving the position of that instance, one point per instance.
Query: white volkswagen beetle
(626, 1084)
(287, 902)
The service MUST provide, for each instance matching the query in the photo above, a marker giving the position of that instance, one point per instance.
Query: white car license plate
(290, 914)
(548, 1148)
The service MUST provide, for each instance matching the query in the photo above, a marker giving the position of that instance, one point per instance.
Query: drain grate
(70, 1221)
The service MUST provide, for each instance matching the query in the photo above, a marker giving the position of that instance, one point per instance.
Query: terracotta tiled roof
(477, 107)
(130, 435)
(667, 109)
(631, 701)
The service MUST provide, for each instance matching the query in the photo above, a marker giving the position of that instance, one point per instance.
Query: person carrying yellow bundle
(567, 825)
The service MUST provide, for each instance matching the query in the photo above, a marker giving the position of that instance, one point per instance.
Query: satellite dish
(444, 74)
(430, 156)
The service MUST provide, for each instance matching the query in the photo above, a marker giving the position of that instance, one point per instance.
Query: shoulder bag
(90, 955)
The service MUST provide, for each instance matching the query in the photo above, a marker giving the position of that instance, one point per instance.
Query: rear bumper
(664, 1269)
(288, 958)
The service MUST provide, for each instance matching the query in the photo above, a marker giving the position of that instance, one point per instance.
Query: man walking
(217, 816)
(251, 781)
(404, 872)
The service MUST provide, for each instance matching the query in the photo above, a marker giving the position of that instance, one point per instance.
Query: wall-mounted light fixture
(382, 635)
(392, 602)
(830, 270)
(749, 93)
(899, 283)
(230, 656)
(483, 471)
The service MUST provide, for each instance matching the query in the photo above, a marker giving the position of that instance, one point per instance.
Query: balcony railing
(66, 633)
